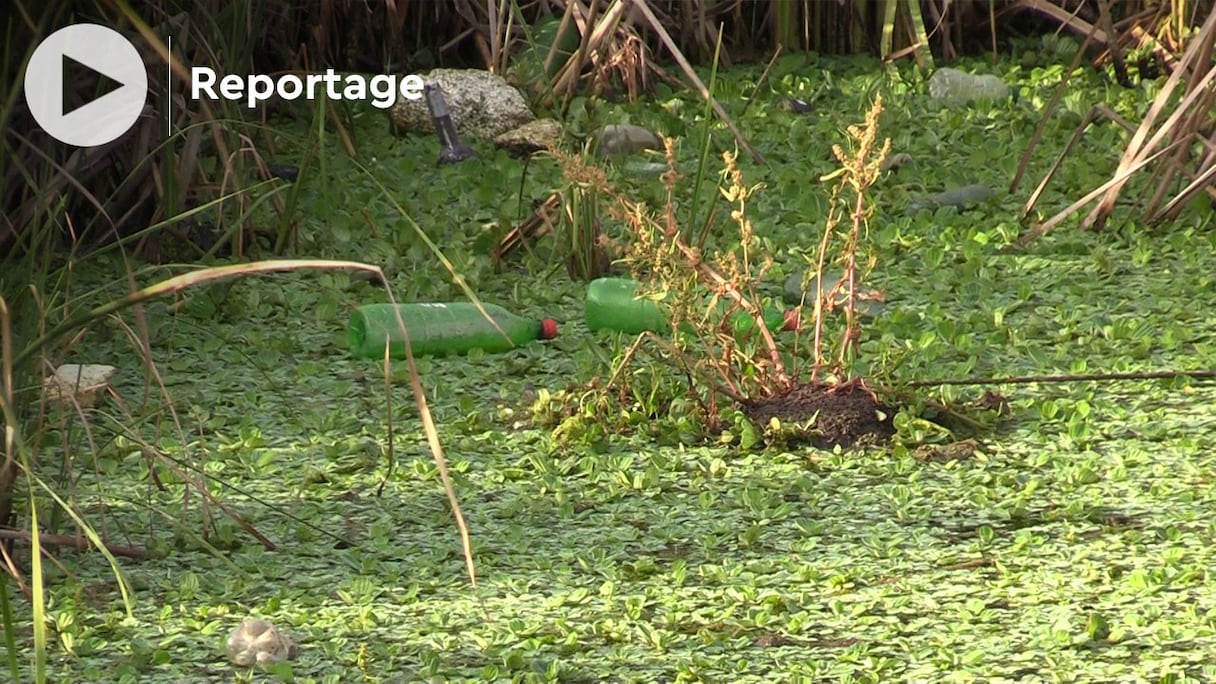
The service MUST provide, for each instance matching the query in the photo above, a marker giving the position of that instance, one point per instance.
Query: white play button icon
(97, 121)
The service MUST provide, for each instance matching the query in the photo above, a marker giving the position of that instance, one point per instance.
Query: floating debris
(257, 642)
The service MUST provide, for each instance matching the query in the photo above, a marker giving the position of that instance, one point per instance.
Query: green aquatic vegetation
(1072, 545)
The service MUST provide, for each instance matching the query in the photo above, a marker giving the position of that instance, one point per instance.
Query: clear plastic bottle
(441, 328)
(957, 88)
(613, 304)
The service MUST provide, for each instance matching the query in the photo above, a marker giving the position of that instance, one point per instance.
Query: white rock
(84, 382)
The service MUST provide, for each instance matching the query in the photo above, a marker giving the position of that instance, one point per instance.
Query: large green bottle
(437, 329)
(613, 304)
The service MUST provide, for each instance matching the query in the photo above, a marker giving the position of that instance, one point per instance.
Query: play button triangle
(73, 73)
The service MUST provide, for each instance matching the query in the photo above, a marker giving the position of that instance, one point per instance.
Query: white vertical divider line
(169, 84)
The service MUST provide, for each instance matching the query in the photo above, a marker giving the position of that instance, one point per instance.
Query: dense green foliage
(1073, 546)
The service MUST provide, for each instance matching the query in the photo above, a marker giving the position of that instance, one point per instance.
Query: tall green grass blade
(924, 55)
(37, 590)
(706, 138)
(183, 282)
(889, 19)
(419, 396)
(10, 627)
(785, 24)
(322, 151)
(85, 528)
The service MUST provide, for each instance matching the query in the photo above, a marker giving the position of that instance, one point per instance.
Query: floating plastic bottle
(614, 304)
(438, 329)
(956, 88)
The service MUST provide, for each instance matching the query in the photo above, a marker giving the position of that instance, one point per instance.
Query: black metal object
(284, 171)
(452, 150)
(795, 105)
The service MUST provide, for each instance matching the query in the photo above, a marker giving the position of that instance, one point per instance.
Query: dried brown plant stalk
(857, 173)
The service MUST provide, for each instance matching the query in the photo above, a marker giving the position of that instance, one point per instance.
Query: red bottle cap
(548, 329)
(793, 319)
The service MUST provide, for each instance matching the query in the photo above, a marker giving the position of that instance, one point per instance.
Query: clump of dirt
(848, 414)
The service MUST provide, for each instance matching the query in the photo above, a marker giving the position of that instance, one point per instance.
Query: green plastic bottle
(613, 304)
(440, 328)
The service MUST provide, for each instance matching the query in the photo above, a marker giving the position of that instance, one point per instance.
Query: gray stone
(896, 160)
(960, 198)
(530, 138)
(870, 303)
(483, 105)
(621, 139)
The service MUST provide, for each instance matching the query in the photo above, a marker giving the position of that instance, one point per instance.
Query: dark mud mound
(848, 415)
